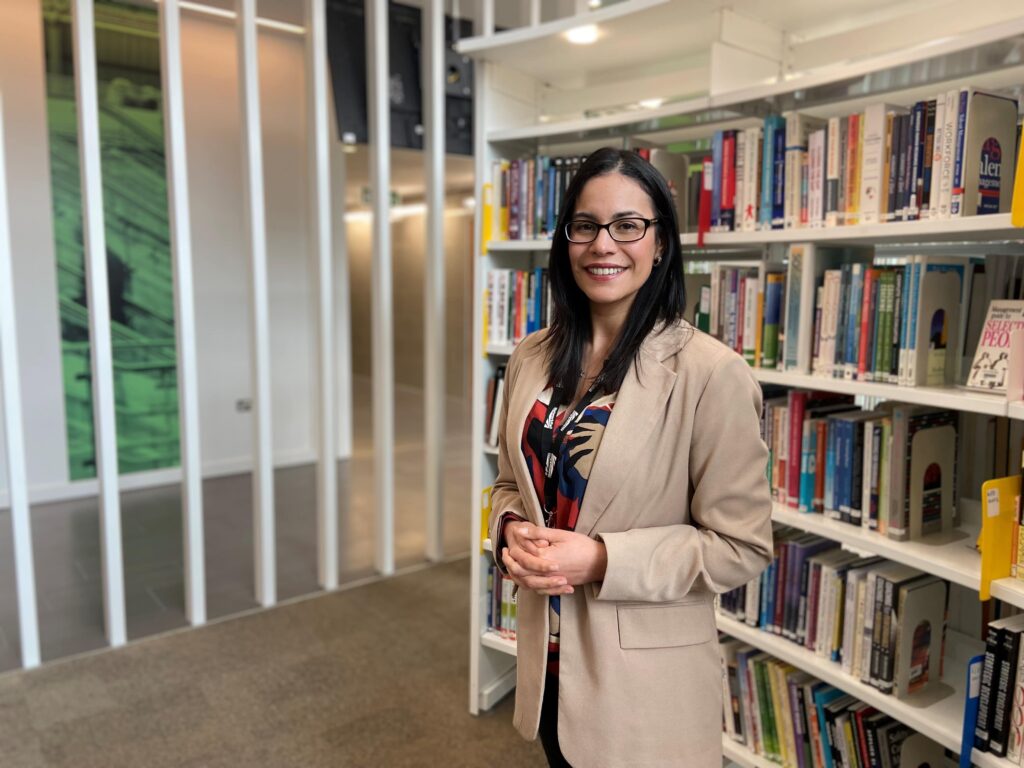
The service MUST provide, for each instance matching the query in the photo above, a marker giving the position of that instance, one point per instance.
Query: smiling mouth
(605, 271)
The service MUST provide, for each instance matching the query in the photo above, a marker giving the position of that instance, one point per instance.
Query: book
(972, 692)
(988, 371)
(989, 672)
(988, 155)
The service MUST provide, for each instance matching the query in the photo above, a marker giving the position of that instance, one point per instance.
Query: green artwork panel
(136, 226)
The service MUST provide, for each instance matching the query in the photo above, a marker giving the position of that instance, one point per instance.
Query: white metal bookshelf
(508, 124)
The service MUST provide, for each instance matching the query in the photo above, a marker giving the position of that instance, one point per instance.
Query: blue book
(539, 223)
(551, 214)
(974, 667)
(956, 199)
(716, 180)
(808, 454)
(766, 595)
(779, 177)
(830, 470)
(915, 285)
(852, 337)
(773, 124)
(822, 698)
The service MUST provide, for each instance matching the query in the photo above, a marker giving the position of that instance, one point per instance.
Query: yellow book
(1017, 206)
(486, 216)
(485, 516)
(503, 195)
(998, 513)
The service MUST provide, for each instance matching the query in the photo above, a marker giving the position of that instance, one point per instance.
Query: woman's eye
(583, 228)
(626, 226)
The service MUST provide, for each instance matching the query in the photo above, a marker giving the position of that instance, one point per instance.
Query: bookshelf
(509, 124)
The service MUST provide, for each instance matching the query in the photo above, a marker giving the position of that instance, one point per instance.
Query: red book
(797, 406)
(704, 204)
(728, 202)
(867, 323)
(518, 322)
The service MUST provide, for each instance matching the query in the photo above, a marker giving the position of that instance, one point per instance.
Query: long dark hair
(662, 297)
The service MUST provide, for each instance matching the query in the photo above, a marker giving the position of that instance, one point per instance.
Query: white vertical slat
(99, 321)
(320, 180)
(382, 305)
(14, 434)
(487, 16)
(534, 13)
(263, 464)
(184, 305)
(342, 313)
(434, 356)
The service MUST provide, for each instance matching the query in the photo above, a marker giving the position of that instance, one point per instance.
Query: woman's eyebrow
(619, 215)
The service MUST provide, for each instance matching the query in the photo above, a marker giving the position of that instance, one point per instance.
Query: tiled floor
(67, 543)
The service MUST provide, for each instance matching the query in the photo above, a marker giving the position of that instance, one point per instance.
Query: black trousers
(549, 724)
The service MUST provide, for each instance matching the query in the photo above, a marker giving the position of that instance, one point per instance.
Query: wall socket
(243, 405)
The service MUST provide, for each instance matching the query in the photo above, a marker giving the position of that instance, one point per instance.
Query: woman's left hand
(580, 558)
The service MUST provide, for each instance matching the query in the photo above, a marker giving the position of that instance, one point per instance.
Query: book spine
(1015, 730)
(986, 709)
(767, 172)
(832, 176)
(916, 156)
(797, 404)
(779, 179)
(866, 324)
(948, 150)
(933, 182)
(997, 742)
(818, 500)
(957, 192)
(927, 160)
(727, 220)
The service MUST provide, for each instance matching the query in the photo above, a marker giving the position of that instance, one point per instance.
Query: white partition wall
(263, 466)
(13, 428)
(99, 320)
(320, 181)
(382, 320)
(434, 355)
(181, 257)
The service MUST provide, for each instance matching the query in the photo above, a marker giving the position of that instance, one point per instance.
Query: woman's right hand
(524, 559)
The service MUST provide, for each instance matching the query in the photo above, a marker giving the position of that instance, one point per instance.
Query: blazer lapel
(638, 406)
(530, 382)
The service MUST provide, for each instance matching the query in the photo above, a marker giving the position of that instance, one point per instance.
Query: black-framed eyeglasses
(626, 230)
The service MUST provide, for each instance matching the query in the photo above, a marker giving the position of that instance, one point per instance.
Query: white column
(487, 17)
(343, 313)
(98, 297)
(184, 305)
(382, 310)
(320, 181)
(14, 434)
(263, 464)
(432, 67)
(534, 13)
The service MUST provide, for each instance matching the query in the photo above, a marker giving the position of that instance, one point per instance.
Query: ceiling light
(584, 35)
(594, 4)
(651, 103)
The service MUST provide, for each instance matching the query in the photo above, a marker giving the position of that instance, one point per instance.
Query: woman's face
(610, 272)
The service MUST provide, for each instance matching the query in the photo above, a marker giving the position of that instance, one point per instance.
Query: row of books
(524, 196)
(494, 399)
(501, 607)
(1000, 725)
(883, 622)
(790, 717)
(894, 319)
(891, 469)
(949, 156)
(517, 304)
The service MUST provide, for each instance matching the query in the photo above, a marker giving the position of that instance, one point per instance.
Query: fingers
(529, 578)
(566, 590)
(532, 562)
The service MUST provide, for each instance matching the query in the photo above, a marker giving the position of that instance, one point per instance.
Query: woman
(631, 488)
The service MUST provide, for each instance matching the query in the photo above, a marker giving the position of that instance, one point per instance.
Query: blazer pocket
(665, 626)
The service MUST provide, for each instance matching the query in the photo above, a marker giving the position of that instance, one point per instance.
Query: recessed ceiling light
(584, 35)
(594, 4)
(651, 103)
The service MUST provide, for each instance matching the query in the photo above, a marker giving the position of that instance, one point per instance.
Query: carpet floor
(374, 676)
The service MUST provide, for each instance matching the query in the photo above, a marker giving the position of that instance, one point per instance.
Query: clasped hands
(551, 561)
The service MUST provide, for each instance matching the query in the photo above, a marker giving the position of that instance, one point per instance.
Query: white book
(872, 161)
(816, 179)
(499, 401)
(864, 673)
(937, 154)
(752, 181)
(741, 169)
(829, 316)
(750, 318)
(798, 127)
(989, 141)
(492, 307)
(866, 474)
(948, 146)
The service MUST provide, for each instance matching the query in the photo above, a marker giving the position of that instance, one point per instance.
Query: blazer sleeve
(505, 498)
(730, 540)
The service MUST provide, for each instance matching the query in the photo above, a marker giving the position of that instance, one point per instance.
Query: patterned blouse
(576, 458)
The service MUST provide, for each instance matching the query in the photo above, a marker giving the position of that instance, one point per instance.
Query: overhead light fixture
(584, 35)
(594, 4)
(651, 103)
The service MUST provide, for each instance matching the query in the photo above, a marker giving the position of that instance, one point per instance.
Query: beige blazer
(679, 496)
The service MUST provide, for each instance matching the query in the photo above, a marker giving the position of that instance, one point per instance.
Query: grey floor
(67, 540)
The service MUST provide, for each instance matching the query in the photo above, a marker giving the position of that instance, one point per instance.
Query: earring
(657, 260)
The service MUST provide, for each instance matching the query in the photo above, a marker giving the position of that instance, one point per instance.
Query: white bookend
(920, 612)
(933, 354)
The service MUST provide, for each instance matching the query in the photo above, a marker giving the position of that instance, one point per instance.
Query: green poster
(136, 226)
